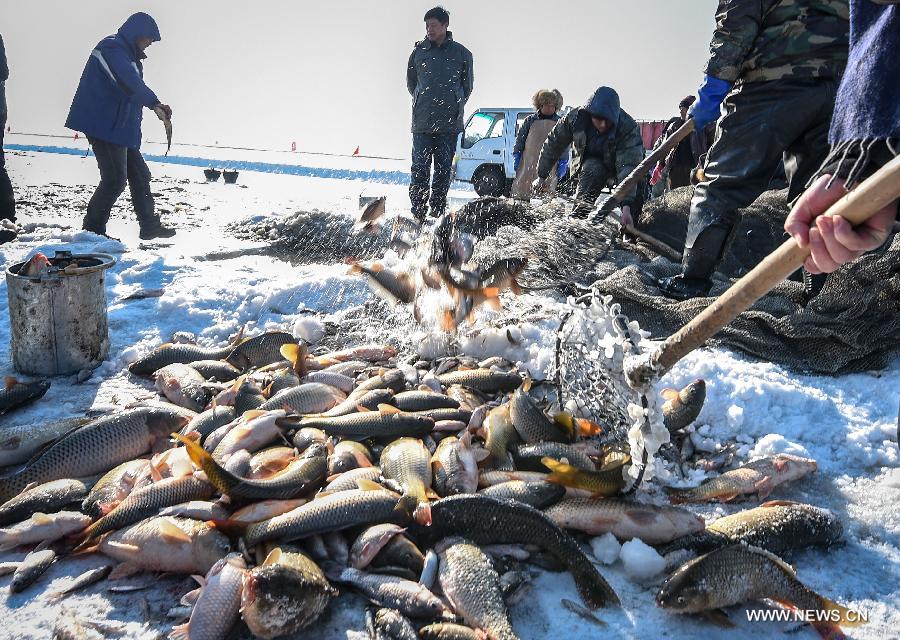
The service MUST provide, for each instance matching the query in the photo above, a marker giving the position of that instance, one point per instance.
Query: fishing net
(852, 325)
(595, 343)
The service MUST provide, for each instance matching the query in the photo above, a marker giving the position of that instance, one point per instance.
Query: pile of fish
(286, 477)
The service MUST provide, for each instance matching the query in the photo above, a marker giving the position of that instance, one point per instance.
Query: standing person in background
(864, 136)
(107, 108)
(609, 146)
(439, 77)
(534, 130)
(680, 161)
(772, 73)
(7, 199)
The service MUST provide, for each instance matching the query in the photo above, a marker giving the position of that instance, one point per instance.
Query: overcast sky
(331, 75)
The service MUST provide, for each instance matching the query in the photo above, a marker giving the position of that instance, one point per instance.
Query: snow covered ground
(214, 284)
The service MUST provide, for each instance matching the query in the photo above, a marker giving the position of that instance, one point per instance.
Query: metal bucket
(58, 318)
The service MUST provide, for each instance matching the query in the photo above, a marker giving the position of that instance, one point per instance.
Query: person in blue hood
(7, 197)
(108, 107)
(608, 145)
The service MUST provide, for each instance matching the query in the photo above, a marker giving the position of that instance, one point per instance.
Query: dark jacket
(622, 149)
(865, 127)
(778, 39)
(111, 94)
(4, 75)
(522, 136)
(4, 68)
(440, 80)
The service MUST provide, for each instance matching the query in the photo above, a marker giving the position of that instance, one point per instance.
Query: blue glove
(517, 158)
(562, 167)
(711, 93)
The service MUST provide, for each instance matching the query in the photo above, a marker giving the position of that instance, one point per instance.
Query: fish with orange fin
(391, 285)
(605, 482)
(681, 408)
(296, 354)
(759, 477)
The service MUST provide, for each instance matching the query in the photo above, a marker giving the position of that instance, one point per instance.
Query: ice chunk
(606, 548)
(308, 329)
(773, 443)
(641, 561)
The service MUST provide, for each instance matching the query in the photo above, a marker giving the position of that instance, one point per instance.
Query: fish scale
(218, 606)
(473, 587)
(176, 353)
(531, 423)
(779, 527)
(374, 424)
(708, 582)
(259, 350)
(147, 501)
(486, 520)
(408, 597)
(309, 397)
(44, 498)
(332, 513)
(407, 461)
(485, 380)
(96, 447)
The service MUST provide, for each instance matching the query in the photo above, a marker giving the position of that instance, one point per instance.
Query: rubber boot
(699, 262)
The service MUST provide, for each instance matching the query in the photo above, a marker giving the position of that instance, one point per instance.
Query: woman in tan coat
(534, 130)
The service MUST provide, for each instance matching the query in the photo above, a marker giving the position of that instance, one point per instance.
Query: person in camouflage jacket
(771, 81)
(608, 145)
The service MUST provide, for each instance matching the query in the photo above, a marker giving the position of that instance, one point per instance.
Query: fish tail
(562, 473)
(848, 617)
(180, 632)
(231, 528)
(593, 588)
(218, 477)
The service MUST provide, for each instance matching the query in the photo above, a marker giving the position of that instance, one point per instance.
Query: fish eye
(680, 600)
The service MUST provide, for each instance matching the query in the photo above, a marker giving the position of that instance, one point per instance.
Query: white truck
(484, 150)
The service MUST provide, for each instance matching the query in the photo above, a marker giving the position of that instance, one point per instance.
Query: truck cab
(484, 149)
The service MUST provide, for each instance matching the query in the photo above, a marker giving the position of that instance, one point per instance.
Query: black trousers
(119, 165)
(427, 147)
(763, 123)
(7, 198)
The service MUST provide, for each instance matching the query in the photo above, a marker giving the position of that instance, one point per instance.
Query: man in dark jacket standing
(773, 72)
(7, 199)
(609, 146)
(439, 77)
(107, 108)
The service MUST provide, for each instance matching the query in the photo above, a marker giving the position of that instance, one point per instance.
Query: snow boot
(698, 264)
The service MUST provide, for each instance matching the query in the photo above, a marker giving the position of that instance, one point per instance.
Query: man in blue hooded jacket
(7, 199)
(608, 145)
(107, 108)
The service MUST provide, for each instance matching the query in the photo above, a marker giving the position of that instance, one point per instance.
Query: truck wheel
(489, 181)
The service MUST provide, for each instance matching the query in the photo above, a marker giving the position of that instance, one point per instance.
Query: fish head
(687, 591)
(791, 467)
(162, 421)
(694, 394)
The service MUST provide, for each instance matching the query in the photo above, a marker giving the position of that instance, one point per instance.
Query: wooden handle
(646, 165)
(859, 205)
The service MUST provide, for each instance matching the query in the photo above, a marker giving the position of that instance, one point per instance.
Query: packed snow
(214, 284)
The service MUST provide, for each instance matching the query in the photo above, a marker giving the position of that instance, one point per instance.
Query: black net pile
(852, 325)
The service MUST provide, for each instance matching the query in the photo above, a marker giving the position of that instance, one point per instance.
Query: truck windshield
(484, 124)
